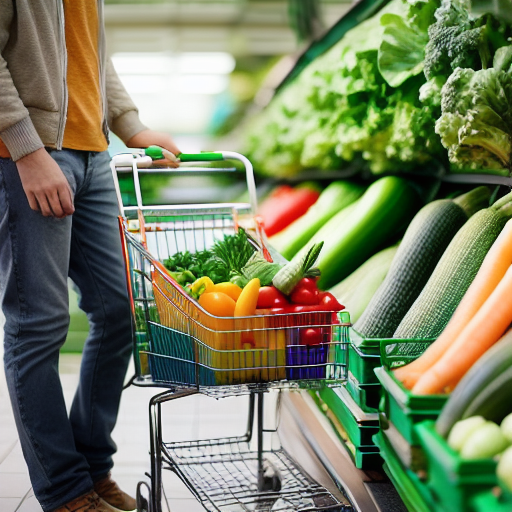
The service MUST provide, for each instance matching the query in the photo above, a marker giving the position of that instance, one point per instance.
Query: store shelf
(367, 491)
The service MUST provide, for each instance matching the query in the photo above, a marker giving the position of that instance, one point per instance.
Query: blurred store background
(192, 67)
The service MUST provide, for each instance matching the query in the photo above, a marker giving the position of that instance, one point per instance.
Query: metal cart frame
(181, 347)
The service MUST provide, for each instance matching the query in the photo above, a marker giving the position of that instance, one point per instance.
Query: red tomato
(330, 302)
(307, 283)
(304, 296)
(311, 336)
(271, 297)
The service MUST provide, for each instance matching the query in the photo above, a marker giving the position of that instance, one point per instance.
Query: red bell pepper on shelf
(286, 204)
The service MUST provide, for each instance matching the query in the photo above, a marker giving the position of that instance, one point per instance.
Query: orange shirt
(83, 130)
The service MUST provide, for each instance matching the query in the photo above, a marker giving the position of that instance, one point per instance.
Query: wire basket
(177, 342)
(211, 467)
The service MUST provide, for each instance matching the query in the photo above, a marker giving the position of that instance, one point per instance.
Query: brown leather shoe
(110, 492)
(89, 502)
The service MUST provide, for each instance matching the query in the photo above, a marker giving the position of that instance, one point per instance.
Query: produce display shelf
(354, 426)
(452, 480)
(411, 489)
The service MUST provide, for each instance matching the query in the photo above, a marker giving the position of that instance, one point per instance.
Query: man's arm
(45, 185)
(123, 118)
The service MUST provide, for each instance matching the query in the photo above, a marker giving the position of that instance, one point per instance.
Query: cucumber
(334, 198)
(455, 271)
(423, 244)
(356, 290)
(477, 380)
(379, 215)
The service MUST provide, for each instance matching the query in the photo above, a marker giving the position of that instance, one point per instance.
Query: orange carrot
(493, 268)
(483, 330)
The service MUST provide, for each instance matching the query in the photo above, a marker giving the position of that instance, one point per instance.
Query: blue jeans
(65, 454)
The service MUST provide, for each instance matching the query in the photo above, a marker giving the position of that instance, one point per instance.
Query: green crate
(367, 396)
(354, 426)
(363, 358)
(413, 491)
(489, 502)
(403, 409)
(359, 425)
(364, 355)
(452, 480)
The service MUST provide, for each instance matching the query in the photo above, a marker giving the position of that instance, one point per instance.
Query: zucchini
(356, 290)
(476, 387)
(455, 271)
(333, 199)
(378, 216)
(423, 244)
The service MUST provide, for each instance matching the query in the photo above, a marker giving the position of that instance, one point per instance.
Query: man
(59, 96)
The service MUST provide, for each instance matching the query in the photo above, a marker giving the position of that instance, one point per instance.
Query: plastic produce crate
(367, 354)
(355, 426)
(413, 491)
(362, 384)
(489, 502)
(452, 480)
(404, 409)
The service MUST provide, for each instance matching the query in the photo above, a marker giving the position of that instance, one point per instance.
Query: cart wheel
(142, 502)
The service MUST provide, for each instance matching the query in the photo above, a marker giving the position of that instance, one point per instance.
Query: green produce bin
(367, 396)
(403, 409)
(367, 354)
(489, 502)
(453, 481)
(413, 491)
(363, 358)
(355, 427)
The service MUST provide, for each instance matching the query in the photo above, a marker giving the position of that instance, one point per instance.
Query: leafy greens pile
(378, 95)
(227, 256)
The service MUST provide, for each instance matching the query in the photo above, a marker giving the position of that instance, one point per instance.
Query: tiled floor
(187, 418)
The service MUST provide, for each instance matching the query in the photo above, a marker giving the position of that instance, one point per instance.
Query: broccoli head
(458, 40)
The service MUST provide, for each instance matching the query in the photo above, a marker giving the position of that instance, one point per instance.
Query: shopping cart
(184, 349)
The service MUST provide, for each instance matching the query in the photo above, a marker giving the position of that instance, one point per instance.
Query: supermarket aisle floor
(187, 418)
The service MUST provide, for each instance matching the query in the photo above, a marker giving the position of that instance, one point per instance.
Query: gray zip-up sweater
(33, 90)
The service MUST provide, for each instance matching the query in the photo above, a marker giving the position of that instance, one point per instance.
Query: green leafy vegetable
(259, 267)
(402, 50)
(457, 39)
(300, 266)
(476, 121)
(225, 257)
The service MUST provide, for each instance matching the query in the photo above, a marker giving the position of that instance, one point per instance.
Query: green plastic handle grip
(155, 152)
(200, 157)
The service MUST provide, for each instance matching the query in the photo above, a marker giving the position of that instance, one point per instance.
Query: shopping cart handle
(156, 153)
(200, 157)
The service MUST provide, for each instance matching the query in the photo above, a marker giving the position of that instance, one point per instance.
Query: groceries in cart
(235, 273)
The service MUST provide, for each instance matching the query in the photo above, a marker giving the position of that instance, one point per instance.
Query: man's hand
(148, 138)
(45, 185)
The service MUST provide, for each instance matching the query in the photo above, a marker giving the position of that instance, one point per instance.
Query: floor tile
(6, 447)
(30, 504)
(14, 485)
(14, 462)
(9, 504)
